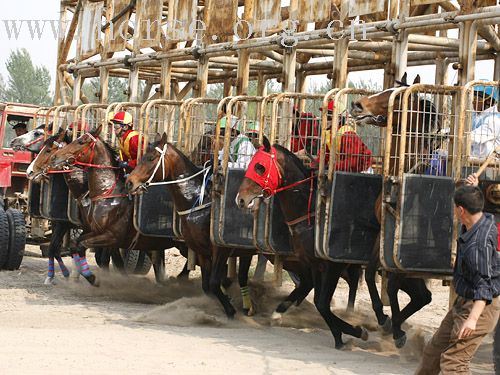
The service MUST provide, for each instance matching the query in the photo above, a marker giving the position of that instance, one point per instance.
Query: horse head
(373, 109)
(271, 168)
(156, 165)
(32, 141)
(40, 165)
(81, 150)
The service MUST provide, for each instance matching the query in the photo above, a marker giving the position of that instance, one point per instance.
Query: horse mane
(300, 166)
(113, 153)
(50, 140)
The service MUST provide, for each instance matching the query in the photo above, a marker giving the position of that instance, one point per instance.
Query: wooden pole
(200, 89)
(496, 71)
(289, 65)
(467, 52)
(103, 85)
(133, 84)
(166, 79)
(339, 76)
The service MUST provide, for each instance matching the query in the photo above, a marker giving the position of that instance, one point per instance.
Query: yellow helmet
(123, 118)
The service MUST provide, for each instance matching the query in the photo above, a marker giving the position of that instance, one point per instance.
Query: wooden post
(261, 85)
(243, 73)
(166, 79)
(339, 76)
(228, 86)
(77, 90)
(200, 89)
(133, 84)
(289, 63)
(467, 52)
(496, 71)
(103, 85)
(59, 93)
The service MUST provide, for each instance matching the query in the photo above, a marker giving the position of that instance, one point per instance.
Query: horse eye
(260, 169)
(81, 141)
(36, 134)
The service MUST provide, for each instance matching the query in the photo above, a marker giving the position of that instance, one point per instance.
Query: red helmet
(123, 118)
(330, 106)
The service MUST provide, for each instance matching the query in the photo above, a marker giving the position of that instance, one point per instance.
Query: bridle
(271, 179)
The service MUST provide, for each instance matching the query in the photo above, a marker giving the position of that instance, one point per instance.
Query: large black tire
(4, 238)
(136, 262)
(17, 243)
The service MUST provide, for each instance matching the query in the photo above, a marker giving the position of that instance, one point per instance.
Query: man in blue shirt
(476, 279)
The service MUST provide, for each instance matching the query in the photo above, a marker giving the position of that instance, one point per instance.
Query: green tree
(117, 89)
(26, 83)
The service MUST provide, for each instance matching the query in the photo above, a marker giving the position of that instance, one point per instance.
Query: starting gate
(350, 182)
(237, 119)
(421, 166)
(153, 210)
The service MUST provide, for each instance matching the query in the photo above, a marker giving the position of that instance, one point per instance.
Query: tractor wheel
(4, 238)
(17, 243)
(136, 262)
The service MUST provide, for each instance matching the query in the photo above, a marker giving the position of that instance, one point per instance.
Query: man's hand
(123, 164)
(468, 328)
(472, 180)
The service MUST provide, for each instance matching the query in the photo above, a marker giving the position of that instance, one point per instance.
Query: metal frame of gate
(221, 202)
(153, 210)
(490, 179)
(271, 233)
(193, 134)
(346, 225)
(412, 167)
(54, 194)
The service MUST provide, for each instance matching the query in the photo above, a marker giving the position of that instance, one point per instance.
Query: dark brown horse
(163, 162)
(294, 201)
(109, 211)
(373, 110)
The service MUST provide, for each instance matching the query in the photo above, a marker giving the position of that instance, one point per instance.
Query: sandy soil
(130, 325)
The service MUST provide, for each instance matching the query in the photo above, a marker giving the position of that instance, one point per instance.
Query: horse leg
(325, 283)
(59, 229)
(296, 296)
(81, 259)
(117, 259)
(352, 276)
(377, 305)
(158, 258)
(185, 272)
(219, 260)
(243, 268)
(419, 297)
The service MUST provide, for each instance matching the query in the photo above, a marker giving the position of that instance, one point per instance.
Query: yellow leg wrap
(245, 295)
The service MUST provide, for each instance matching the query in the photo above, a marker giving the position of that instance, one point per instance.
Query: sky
(43, 48)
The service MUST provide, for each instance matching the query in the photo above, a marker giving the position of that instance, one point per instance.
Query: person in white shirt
(485, 133)
(241, 149)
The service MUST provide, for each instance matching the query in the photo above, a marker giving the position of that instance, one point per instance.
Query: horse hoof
(340, 346)
(400, 341)
(49, 281)
(249, 312)
(276, 319)
(387, 326)
(364, 334)
(92, 279)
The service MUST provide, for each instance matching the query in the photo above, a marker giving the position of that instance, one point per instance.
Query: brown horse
(163, 162)
(373, 110)
(108, 213)
(294, 200)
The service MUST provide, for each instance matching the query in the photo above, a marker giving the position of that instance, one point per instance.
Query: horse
(373, 110)
(162, 161)
(89, 209)
(275, 168)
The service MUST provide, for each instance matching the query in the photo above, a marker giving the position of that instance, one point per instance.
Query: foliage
(117, 89)
(26, 83)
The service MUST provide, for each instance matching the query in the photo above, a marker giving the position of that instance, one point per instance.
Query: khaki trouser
(445, 352)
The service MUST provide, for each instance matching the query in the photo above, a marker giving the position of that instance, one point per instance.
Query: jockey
(241, 149)
(128, 139)
(351, 154)
(305, 132)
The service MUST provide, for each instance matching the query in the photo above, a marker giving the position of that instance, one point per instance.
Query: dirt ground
(130, 325)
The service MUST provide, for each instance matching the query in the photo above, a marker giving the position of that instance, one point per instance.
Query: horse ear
(61, 134)
(157, 138)
(417, 79)
(266, 144)
(51, 126)
(404, 79)
(97, 131)
(164, 139)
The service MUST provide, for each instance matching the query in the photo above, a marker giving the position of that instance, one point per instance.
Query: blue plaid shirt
(477, 268)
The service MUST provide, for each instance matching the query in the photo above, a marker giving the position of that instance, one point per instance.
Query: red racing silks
(270, 179)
